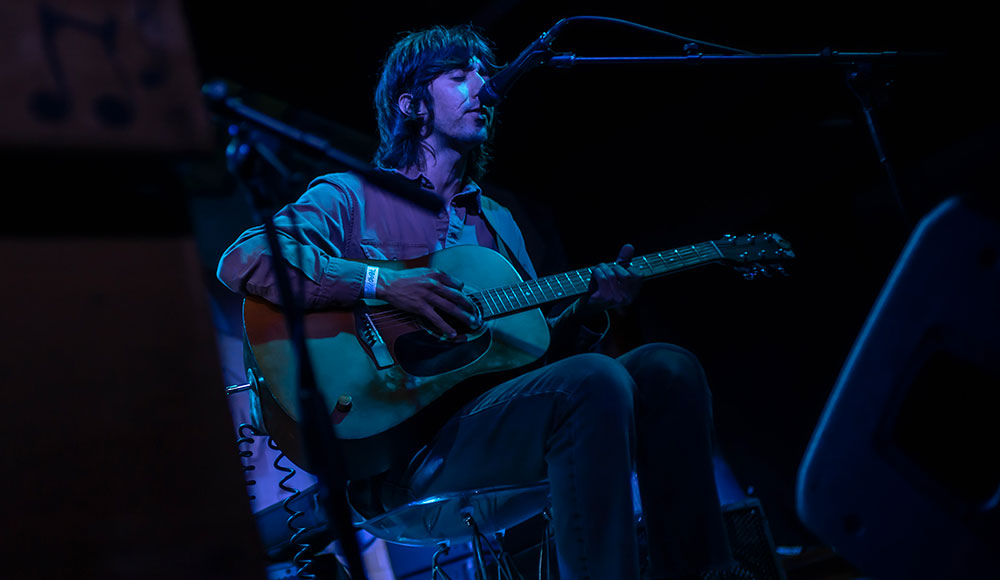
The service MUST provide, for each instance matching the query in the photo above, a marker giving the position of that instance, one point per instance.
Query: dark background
(658, 155)
(661, 155)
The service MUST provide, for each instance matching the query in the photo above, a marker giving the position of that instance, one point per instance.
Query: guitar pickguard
(421, 354)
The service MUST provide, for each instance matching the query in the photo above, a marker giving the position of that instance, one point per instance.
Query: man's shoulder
(347, 180)
(342, 188)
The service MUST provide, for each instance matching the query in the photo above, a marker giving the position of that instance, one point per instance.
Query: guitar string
(498, 300)
(502, 300)
(398, 317)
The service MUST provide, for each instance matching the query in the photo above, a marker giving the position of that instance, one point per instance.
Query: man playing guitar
(582, 420)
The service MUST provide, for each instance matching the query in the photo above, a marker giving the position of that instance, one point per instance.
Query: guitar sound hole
(422, 355)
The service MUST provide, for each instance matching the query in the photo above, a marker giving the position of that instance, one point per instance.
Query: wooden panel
(120, 457)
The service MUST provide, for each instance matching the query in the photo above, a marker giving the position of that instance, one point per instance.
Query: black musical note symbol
(56, 106)
(156, 72)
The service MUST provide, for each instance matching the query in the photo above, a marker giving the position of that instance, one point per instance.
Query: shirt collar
(470, 197)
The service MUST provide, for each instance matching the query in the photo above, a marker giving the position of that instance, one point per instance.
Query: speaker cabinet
(901, 476)
(751, 540)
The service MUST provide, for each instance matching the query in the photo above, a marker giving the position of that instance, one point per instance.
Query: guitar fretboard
(533, 293)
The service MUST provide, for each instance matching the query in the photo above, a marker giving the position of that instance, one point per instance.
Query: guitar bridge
(372, 340)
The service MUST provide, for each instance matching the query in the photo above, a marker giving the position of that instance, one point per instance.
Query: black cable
(656, 31)
(300, 558)
(246, 433)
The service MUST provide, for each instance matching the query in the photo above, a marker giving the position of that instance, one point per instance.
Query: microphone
(536, 54)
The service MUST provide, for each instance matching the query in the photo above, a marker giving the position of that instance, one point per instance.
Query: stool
(456, 517)
(463, 516)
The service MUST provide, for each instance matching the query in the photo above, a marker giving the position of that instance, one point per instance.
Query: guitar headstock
(755, 254)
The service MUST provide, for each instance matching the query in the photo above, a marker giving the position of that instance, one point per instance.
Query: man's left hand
(612, 285)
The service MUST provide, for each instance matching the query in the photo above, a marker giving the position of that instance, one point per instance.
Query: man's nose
(477, 83)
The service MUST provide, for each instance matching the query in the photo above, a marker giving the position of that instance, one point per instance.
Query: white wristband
(371, 282)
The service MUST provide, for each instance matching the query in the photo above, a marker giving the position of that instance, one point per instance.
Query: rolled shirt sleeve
(312, 235)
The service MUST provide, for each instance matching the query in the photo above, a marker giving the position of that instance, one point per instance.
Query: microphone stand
(248, 158)
(257, 167)
(859, 78)
(219, 99)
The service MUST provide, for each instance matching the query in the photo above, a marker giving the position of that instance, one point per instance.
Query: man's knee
(661, 369)
(600, 380)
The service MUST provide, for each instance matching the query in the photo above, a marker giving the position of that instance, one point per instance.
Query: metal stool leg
(436, 570)
(505, 566)
(544, 557)
(477, 546)
(506, 569)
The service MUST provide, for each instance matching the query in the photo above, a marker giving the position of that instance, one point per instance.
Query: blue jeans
(585, 423)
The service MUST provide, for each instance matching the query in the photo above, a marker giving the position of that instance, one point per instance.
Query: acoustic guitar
(389, 367)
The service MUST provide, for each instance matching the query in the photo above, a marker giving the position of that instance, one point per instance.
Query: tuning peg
(754, 270)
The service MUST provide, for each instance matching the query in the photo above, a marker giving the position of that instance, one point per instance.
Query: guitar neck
(534, 293)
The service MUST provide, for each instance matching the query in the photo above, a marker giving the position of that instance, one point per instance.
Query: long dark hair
(409, 67)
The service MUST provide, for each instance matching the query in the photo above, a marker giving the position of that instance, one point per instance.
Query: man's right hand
(430, 294)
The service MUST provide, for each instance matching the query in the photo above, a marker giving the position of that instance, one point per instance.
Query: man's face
(460, 121)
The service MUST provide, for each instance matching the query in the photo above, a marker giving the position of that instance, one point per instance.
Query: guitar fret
(701, 249)
(526, 295)
(477, 299)
(646, 264)
(650, 263)
(529, 295)
(494, 305)
(562, 291)
(552, 292)
(513, 294)
(491, 301)
(522, 300)
(512, 297)
(573, 285)
(497, 305)
(536, 289)
(504, 300)
(713, 249)
(515, 297)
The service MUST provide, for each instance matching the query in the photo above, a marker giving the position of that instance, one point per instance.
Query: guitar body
(391, 380)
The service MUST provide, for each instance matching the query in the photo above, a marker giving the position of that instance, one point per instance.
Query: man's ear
(405, 104)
